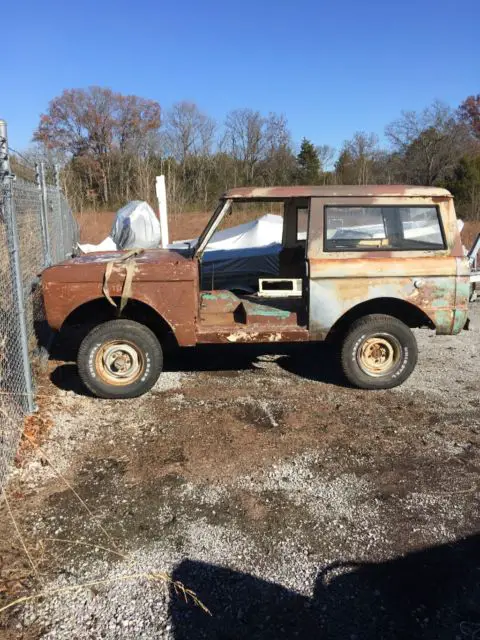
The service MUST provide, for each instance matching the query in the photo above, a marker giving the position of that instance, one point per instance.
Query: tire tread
(128, 328)
(378, 322)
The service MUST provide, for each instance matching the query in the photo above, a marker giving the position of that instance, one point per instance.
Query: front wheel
(120, 359)
(378, 352)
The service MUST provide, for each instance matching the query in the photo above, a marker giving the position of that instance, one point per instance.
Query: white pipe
(162, 210)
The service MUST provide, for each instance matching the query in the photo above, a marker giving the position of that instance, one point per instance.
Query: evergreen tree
(308, 163)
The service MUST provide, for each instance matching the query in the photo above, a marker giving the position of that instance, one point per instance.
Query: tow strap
(129, 263)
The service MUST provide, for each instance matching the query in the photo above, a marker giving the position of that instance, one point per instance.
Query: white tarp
(235, 258)
(135, 227)
(262, 232)
(256, 233)
(105, 245)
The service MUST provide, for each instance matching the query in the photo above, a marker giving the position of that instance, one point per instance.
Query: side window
(380, 228)
(302, 224)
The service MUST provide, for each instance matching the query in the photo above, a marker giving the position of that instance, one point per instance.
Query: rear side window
(382, 228)
(302, 223)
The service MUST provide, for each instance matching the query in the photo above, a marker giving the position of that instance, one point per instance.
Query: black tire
(378, 352)
(113, 349)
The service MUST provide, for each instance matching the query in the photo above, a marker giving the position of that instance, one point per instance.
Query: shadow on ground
(430, 594)
(313, 361)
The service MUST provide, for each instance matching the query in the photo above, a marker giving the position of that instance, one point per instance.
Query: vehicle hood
(150, 265)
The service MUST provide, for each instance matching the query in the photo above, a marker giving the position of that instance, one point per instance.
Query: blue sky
(331, 67)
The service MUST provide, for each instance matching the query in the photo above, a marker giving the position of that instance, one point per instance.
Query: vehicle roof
(342, 191)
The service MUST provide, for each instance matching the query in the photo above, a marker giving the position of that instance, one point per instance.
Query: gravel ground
(292, 505)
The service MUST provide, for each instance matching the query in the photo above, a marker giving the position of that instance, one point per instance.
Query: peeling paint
(434, 282)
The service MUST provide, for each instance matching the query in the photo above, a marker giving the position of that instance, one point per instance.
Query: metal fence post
(44, 214)
(60, 215)
(7, 179)
(43, 230)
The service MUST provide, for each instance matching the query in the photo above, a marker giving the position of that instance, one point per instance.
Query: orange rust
(165, 281)
(373, 265)
(337, 191)
(168, 281)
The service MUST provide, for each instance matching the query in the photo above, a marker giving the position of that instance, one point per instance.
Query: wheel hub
(377, 355)
(119, 363)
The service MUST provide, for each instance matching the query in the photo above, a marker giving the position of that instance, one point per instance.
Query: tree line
(112, 146)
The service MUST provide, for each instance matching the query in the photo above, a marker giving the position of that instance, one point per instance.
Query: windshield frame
(220, 212)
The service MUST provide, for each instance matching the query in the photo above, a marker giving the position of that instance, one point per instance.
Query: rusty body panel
(435, 282)
(336, 191)
(239, 333)
(164, 280)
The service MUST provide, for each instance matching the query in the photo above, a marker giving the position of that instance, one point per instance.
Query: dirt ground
(294, 506)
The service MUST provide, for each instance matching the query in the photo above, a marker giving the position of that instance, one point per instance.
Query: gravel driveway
(292, 505)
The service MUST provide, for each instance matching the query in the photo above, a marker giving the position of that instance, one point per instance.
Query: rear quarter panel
(433, 281)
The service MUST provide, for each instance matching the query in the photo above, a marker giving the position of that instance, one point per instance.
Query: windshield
(218, 215)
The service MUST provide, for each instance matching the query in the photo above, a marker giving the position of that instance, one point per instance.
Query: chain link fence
(37, 229)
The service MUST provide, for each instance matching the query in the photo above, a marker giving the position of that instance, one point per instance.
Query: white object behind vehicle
(262, 232)
(106, 245)
(235, 258)
(136, 227)
(161, 191)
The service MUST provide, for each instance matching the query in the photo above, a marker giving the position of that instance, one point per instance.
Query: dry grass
(158, 578)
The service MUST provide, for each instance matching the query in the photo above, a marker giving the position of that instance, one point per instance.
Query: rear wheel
(378, 352)
(120, 359)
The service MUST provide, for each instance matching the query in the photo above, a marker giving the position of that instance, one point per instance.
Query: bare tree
(244, 139)
(363, 150)
(94, 124)
(326, 155)
(429, 143)
(188, 131)
(278, 161)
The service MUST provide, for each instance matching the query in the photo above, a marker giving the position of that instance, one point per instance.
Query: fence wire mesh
(37, 229)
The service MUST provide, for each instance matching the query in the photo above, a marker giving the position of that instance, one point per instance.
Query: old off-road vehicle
(359, 265)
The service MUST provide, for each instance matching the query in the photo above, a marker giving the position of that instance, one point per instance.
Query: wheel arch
(408, 313)
(99, 310)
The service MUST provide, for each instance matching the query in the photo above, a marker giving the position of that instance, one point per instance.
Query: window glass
(302, 223)
(377, 228)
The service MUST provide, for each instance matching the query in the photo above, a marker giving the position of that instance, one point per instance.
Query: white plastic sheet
(136, 227)
(235, 258)
(262, 232)
(106, 245)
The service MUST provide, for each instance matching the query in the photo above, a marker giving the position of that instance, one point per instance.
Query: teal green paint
(222, 295)
(441, 303)
(442, 292)
(463, 291)
(258, 310)
(443, 321)
(459, 320)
